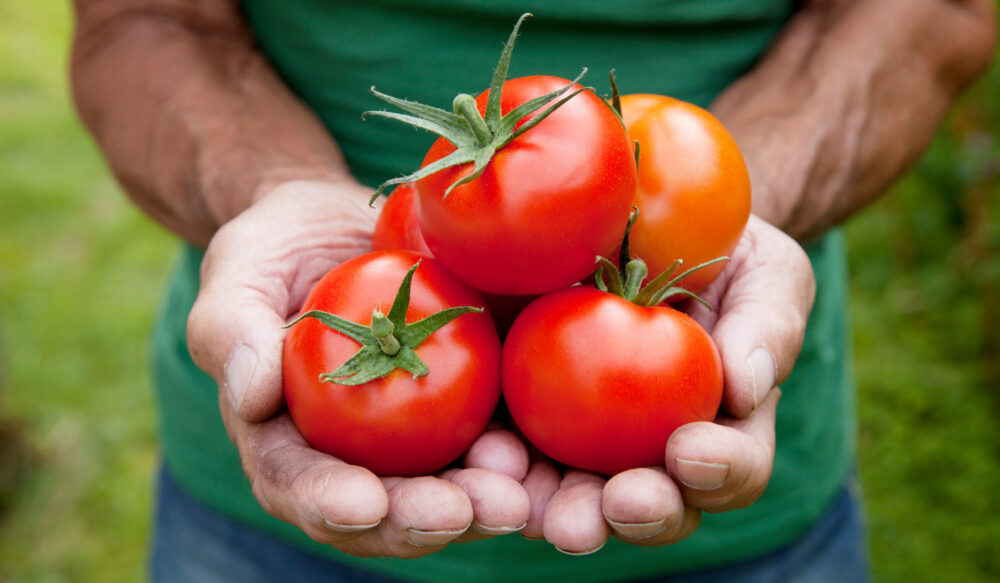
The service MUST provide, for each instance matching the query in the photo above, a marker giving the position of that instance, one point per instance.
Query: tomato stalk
(382, 329)
(388, 343)
(615, 103)
(476, 137)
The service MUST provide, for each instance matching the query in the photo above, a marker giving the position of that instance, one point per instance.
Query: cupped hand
(761, 304)
(256, 273)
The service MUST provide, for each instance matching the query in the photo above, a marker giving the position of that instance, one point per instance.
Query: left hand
(256, 272)
(762, 300)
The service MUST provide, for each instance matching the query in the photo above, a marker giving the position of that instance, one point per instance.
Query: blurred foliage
(926, 314)
(81, 272)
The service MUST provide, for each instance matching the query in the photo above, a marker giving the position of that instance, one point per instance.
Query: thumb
(234, 330)
(763, 315)
(258, 268)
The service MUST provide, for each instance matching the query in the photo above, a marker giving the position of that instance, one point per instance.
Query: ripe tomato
(545, 206)
(397, 424)
(693, 191)
(599, 383)
(397, 226)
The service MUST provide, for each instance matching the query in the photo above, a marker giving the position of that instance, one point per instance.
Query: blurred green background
(81, 273)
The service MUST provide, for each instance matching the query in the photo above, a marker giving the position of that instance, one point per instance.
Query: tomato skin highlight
(599, 383)
(693, 190)
(396, 425)
(544, 207)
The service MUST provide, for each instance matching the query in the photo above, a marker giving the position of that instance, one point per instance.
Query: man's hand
(762, 302)
(255, 275)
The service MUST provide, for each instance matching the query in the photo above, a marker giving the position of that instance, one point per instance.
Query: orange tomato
(693, 191)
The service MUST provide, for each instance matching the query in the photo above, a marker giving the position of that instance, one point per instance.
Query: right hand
(256, 273)
(763, 299)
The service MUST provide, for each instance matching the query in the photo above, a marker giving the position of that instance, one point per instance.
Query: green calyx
(653, 293)
(630, 286)
(476, 137)
(389, 342)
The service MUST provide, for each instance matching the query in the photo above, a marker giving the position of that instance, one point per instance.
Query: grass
(80, 277)
(926, 314)
(81, 272)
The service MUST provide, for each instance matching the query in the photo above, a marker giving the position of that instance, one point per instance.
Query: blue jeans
(194, 544)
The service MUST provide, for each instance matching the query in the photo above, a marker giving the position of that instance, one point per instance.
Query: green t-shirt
(331, 52)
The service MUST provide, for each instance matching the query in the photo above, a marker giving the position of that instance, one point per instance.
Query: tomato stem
(465, 106)
(382, 329)
(476, 137)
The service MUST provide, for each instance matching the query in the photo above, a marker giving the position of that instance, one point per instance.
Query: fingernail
(580, 553)
(432, 538)
(238, 373)
(639, 530)
(495, 530)
(762, 373)
(701, 475)
(350, 528)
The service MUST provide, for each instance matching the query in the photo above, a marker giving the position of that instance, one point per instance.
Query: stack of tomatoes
(596, 371)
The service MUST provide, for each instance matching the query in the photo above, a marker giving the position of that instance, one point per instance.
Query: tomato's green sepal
(389, 342)
(662, 286)
(630, 286)
(371, 363)
(476, 137)
(656, 291)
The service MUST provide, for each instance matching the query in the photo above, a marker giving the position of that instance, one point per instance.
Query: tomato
(397, 424)
(397, 226)
(693, 191)
(599, 383)
(526, 184)
(545, 206)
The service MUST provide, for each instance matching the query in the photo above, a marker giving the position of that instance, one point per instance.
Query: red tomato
(599, 383)
(398, 424)
(548, 202)
(693, 191)
(397, 226)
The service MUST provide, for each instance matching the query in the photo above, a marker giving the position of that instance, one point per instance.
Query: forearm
(848, 98)
(191, 118)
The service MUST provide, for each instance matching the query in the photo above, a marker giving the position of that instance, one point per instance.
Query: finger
(722, 467)
(500, 504)
(501, 451)
(540, 484)
(765, 297)
(425, 515)
(235, 335)
(333, 502)
(235, 330)
(573, 520)
(644, 506)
